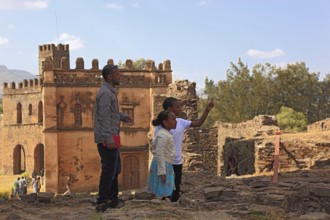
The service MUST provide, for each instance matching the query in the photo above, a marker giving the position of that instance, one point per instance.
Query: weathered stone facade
(244, 148)
(323, 125)
(48, 122)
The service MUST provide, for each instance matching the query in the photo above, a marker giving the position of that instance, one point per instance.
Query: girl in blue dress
(161, 174)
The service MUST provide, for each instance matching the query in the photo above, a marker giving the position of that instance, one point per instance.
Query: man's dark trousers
(177, 181)
(110, 168)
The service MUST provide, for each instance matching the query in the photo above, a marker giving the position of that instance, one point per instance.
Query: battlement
(26, 86)
(60, 48)
(64, 64)
(64, 76)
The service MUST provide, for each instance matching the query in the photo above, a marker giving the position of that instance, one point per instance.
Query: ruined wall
(323, 125)
(200, 150)
(304, 152)
(227, 133)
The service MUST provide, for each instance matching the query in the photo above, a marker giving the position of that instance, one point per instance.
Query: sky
(200, 37)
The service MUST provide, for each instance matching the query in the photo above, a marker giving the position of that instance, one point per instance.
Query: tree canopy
(264, 90)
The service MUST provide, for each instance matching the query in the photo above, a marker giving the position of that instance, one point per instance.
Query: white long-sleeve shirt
(178, 134)
(163, 149)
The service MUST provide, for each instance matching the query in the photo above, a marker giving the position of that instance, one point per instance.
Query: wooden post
(276, 156)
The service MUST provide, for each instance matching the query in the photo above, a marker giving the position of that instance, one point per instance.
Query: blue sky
(200, 37)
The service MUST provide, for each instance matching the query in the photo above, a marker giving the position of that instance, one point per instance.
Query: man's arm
(201, 120)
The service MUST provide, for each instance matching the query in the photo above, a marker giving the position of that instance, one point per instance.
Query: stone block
(143, 195)
(45, 197)
(323, 191)
(213, 194)
(29, 197)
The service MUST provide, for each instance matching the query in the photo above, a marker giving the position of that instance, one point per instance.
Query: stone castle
(48, 122)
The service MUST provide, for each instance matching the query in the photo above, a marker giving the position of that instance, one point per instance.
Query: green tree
(138, 64)
(290, 120)
(297, 88)
(265, 90)
(210, 92)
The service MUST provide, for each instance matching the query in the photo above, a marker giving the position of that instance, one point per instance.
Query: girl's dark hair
(169, 102)
(162, 116)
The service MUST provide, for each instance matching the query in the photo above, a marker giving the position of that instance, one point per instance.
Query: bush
(290, 120)
(5, 193)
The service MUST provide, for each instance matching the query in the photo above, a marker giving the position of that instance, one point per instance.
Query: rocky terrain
(303, 194)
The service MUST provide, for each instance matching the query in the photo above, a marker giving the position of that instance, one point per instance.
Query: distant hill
(11, 75)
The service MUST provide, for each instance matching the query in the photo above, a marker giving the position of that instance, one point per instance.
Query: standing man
(16, 187)
(42, 173)
(106, 135)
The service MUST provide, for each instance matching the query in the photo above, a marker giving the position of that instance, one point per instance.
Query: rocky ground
(303, 194)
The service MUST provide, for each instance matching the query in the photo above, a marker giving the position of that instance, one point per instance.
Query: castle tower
(54, 53)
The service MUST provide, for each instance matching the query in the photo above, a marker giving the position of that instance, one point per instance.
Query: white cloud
(23, 4)
(3, 40)
(265, 54)
(115, 6)
(74, 41)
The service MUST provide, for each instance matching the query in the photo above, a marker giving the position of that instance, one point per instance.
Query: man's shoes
(116, 203)
(102, 206)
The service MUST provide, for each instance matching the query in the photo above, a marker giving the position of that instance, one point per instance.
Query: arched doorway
(39, 158)
(19, 165)
(131, 172)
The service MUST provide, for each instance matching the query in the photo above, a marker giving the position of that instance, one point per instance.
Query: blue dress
(155, 184)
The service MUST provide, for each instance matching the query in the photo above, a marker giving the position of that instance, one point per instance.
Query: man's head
(172, 104)
(111, 74)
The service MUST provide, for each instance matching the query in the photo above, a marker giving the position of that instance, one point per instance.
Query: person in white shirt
(161, 174)
(174, 105)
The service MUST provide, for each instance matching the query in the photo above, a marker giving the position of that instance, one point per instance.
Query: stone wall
(200, 150)
(323, 125)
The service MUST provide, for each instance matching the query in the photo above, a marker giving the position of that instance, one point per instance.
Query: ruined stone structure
(244, 148)
(48, 122)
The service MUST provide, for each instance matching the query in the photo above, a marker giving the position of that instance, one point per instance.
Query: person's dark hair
(108, 69)
(162, 116)
(169, 102)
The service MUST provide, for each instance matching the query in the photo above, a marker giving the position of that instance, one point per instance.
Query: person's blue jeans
(110, 168)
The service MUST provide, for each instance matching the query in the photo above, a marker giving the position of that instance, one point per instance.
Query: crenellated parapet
(80, 76)
(25, 87)
(54, 55)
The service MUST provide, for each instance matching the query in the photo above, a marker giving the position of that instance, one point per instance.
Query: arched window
(77, 115)
(39, 158)
(40, 112)
(19, 113)
(30, 109)
(19, 165)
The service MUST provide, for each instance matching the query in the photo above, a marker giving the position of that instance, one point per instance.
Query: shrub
(290, 120)
(5, 193)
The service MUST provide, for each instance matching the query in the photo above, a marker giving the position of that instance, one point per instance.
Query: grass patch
(260, 215)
